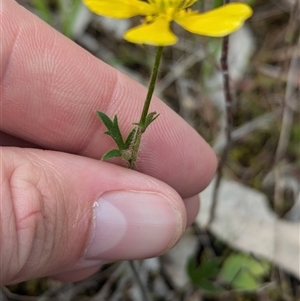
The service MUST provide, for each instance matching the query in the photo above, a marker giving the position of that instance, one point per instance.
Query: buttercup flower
(155, 30)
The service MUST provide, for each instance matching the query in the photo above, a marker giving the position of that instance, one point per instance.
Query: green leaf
(204, 275)
(114, 153)
(259, 268)
(231, 267)
(245, 281)
(113, 129)
(207, 269)
(43, 10)
(208, 286)
(149, 119)
(105, 119)
(243, 271)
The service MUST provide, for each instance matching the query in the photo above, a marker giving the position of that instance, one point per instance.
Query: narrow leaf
(113, 129)
(115, 133)
(149, 119)
(105, 119)
(114, 153)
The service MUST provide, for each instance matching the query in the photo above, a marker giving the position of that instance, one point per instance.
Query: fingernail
(132, 225)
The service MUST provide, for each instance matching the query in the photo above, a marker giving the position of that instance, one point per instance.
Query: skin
(51, 142)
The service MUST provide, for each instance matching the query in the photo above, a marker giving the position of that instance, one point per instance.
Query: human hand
(63, 212)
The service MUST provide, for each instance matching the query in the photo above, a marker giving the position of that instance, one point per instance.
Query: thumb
(62, 212)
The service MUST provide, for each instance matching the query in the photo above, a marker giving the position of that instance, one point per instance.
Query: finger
(192, 206)
(51, 88)
(76, 275)
(63, 212)
(9, 140)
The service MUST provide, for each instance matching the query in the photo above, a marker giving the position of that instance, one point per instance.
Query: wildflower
(155, 30)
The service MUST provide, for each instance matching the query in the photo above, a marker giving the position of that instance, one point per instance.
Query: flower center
(165, 5)
(170, 7)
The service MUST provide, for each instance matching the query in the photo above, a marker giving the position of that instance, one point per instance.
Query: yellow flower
(155, 29)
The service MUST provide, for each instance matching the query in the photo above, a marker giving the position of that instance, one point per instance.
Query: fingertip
(192, 206)
(76, 275)
(143, 224)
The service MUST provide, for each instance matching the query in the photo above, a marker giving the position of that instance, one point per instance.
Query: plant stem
(229, 126)
(138, 135)
(151, 84)
(135, 147)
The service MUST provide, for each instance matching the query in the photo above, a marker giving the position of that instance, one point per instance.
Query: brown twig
(143, 288)
(288, 112)
(229, 122)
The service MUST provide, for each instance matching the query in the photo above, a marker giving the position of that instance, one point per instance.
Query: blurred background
(250, 250)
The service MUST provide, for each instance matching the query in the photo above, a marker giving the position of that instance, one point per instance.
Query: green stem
(135, 147)
(138, 135)
(151, 84)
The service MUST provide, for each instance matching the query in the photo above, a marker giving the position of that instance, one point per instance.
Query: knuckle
(23, 214)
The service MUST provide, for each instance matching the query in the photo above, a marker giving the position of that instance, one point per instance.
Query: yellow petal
(218, 22)
(120, 9)
(157, 33)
